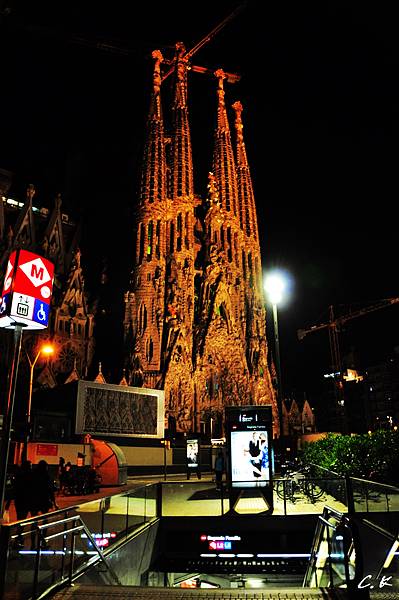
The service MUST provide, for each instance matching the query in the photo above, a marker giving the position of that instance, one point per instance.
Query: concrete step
(88, 592)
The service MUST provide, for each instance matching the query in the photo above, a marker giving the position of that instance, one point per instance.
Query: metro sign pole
(24, 303)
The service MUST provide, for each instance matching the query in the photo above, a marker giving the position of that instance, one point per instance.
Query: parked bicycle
(296, 484)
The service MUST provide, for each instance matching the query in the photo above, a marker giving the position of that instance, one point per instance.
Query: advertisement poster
(192, 454)
(250, 461)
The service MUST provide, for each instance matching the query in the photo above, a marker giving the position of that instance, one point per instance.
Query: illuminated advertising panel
(250, 459)
(192, 454)
(249, 431)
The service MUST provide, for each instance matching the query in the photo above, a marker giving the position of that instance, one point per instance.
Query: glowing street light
(275, 286)
(46, 349)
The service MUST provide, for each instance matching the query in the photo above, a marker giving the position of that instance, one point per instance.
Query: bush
(371, 456)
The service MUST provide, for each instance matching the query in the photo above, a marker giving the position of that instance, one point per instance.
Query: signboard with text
(192, 454)
(46, 449)
(249, 434)
(27, 289)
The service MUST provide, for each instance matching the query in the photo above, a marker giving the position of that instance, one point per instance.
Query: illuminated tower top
(181, 181)
(223, 157)
(153, 178)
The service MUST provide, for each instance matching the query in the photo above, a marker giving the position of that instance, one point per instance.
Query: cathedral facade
(195, 321)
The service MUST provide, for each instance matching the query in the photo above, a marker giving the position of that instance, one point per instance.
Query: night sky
(321, 98)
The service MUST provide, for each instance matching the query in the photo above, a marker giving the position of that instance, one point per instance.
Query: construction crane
(335, 323)
(113, 47)
(334, 327)
(230, 77)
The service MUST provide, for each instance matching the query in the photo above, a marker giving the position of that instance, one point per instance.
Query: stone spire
(100, 377)
(223, 157)
(123, 381)
(25, 231)
(246, 197)
(181, 179)
(153, 179)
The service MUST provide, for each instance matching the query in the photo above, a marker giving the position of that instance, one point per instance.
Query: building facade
(194, 313)
(53, 235)
(298, 418)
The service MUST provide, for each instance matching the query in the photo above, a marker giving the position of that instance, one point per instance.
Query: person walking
(21, 495)
(219, 469)
(43, 498)
(22, 490)
(43, 494)
(61, 475)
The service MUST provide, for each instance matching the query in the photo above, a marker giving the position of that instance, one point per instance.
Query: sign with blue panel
(27, 290)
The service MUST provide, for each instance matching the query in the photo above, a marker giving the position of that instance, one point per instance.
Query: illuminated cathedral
(195, 322)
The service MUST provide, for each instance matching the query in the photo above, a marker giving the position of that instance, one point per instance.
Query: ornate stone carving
(197, 272)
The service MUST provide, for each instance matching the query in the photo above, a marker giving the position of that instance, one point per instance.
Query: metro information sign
(27, 289)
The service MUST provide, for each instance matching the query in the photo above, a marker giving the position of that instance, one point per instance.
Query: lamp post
(46, 349)
(275, 285)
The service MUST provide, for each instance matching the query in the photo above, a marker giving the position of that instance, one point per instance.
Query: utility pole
(7, 423)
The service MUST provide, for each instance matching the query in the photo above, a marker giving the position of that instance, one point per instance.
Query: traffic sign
(26, 296)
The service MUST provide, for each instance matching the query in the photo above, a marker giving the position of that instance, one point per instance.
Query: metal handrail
(62, 533)
(339, 475)
(40, 532)
(79, 526)
(375, 483)
(344, 521)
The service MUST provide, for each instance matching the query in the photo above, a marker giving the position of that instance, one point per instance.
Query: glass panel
(308, 496)
(136, 508)
(193, 499)
(92, 515)
(373, 497)
(108, 519)
(115, 510)
(151, 502)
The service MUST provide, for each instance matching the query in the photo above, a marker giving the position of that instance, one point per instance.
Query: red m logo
(35, 272)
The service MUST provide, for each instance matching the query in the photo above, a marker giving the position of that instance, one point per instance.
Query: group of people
(32, 490)
(33, 493)
(75, 480)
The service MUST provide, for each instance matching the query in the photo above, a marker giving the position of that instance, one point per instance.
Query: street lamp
(47, 349)
(275, 285)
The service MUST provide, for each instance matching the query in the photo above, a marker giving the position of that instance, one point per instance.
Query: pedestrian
(61, 475)
(21, 494)
(219, 469)
(43, 498)
(22, 490)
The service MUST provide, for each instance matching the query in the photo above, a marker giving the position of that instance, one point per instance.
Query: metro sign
(26, 296)
(36, 272)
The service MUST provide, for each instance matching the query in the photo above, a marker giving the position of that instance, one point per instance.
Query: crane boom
(336, 322)
(232, 77)
(214, 31)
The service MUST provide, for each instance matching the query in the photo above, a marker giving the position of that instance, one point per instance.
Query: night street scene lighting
(276, 286)
(46, 350)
